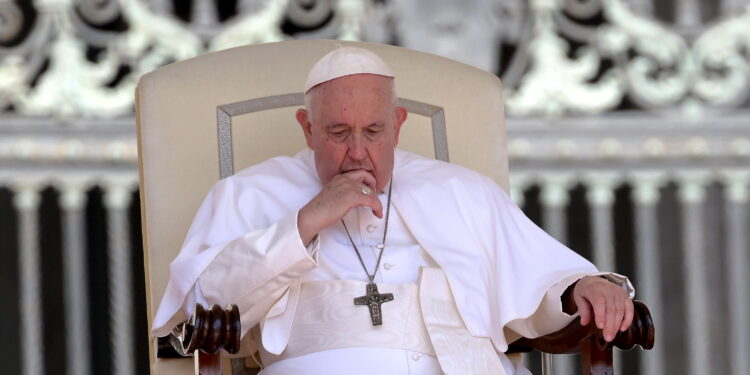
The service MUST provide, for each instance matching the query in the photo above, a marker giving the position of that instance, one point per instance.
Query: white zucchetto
(344, 61)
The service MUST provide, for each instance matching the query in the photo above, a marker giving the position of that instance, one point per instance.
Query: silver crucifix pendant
(373, 300)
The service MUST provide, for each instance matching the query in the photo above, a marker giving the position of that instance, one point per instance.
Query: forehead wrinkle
(320, 99)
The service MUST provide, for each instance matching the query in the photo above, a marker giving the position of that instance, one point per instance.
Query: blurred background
(628, 135)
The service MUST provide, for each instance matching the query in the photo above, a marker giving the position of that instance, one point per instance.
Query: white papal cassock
(469, 272)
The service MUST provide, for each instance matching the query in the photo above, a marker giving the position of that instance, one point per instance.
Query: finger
(627, 321)
(599, 312)
(368, 200)
(614, 318)
(362, 176)
(377, 207)
(584, 309)
(609, 318)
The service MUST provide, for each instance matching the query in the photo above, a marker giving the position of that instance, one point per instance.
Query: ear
(305, 124)
(401, 114)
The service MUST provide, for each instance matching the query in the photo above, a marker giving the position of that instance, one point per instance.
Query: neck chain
(380, 246)
(372, 298)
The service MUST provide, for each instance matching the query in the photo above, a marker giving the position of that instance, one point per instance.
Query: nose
(357, 150)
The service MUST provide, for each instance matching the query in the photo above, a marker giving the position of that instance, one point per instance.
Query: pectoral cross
(373, 300)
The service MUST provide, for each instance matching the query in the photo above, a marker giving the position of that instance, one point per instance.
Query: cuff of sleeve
(552, 303)
(619, 280)
(313, 247)
(549, 316)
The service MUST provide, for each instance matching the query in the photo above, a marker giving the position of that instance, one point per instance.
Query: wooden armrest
(597, 353)
(203, 336)
(571, 338)
(208, 331)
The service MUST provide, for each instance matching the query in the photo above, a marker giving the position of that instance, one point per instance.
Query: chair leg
(208, 364)
(596, 361)
(547, 364)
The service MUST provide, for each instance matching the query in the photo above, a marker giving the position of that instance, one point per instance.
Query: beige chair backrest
(203, 118)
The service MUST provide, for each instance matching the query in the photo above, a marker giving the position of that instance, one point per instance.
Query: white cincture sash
(422, 318)
(326, 318)
(457, 350)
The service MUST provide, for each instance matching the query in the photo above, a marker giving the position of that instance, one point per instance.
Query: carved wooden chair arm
(597, 353)
(208, 331)
(570, 338)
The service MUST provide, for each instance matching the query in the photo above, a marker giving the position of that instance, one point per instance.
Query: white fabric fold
(457, 350)
(276, 327)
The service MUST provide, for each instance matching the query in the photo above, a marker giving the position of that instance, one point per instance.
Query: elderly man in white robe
(356, 257)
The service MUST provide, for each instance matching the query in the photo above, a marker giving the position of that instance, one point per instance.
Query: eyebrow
(338, 124)
(334, 125)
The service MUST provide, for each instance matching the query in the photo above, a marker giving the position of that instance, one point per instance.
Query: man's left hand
(607, 303)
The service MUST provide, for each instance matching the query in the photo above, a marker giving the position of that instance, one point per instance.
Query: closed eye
(338, 131)
(374, 130)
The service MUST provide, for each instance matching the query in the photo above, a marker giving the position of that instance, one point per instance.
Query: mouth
(356, 169)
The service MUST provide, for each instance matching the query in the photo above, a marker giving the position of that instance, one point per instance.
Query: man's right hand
(340, 195)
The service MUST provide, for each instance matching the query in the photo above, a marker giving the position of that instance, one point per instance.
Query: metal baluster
(692, 194)
(73, 202)
(736, 211)
(600, 196)
(26, 201)
(645, 197)
(116, 200)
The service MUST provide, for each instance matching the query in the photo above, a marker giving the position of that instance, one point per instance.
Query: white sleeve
(254, 270)
(194, 297)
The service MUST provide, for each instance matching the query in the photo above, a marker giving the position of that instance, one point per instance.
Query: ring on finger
(366, 190)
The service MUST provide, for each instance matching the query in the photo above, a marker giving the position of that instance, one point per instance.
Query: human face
(352, 125)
